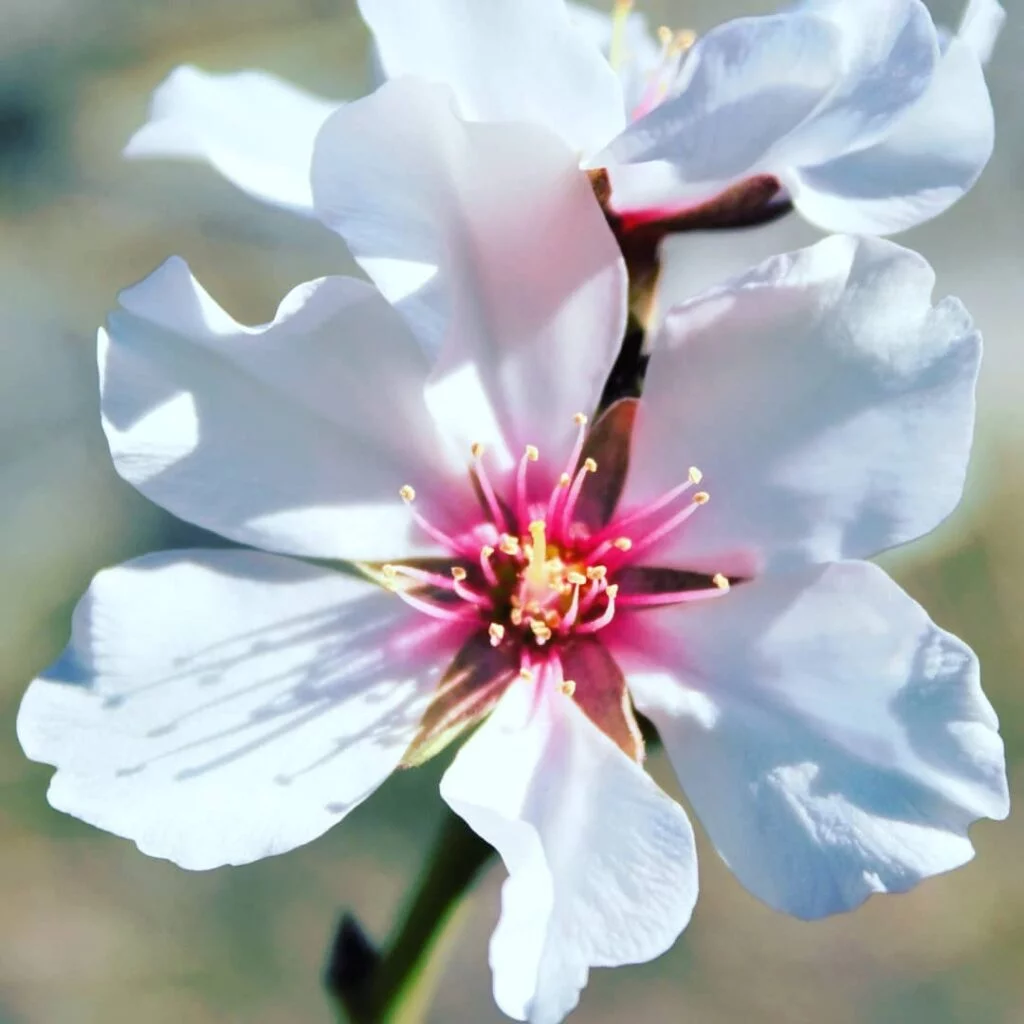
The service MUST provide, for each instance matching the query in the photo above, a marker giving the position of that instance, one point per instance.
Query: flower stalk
(396, 986)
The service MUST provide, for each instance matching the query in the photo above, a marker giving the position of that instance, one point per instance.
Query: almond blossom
(862, 115)
(865, 114)
(539, 567)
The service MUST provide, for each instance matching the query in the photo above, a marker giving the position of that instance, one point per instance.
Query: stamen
(596, 589)
(527, 674)
(541, 631)
(529, 455)
(568, 687)
(555, 501)
(496, 631)
(597, 572)
(672, 523)
(620, 543)
(720, 581)
(606, 616)
(470, 595)
(569, 508)
(486, 553)
(486, 488)
(508, 545)
(674, 46)
(694, 477)
(671, 597)
(458, 573)
(617, 49)
(573, 611)
(455, 613)
(408, 495)
(435, 579)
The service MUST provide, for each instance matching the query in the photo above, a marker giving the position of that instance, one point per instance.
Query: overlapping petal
(295, 436)
(602, 866)
(253, 127)
(930, 158)
(505, 60)
(833, 741)
(488, 237)
(888, 50)
(746, 85)
(829, 404)
(850, 105)
(221, 706)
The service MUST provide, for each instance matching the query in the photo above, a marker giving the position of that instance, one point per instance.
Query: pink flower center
(534, 573)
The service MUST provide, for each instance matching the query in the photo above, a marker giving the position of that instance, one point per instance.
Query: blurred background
(93, 931)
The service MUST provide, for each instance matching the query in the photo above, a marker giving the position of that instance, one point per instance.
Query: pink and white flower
(538, 569)
(868, 116)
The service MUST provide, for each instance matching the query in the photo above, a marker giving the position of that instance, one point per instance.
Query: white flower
(870, 118)
(221, 706)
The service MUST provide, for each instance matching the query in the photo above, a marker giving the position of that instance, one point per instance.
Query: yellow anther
(665, 35)
(525, 673)
(496, 632)
(695, 475)
(720, 581)
(477, 449)
(577, 579)
(458, 573)
(486, 551)
(389, 570)
(568, 687)
(563, 480)
(580, 419)
(516, 615)
(597, 572)
(531, 453)
(701, 498)
(612, 590)
(407, 494)
(590, 465)
(622, 543)
(508, 544)
(682, 41)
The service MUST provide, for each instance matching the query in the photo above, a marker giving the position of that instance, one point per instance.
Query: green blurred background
(93, 931)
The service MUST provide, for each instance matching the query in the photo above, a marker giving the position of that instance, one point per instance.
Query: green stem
(395, 987)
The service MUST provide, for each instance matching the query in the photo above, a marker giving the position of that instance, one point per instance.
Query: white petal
(505, 60)
(777, 93)
(833, 741)
(829, 404)
(641, 53)
(221, 706)
(253, 127)
(745, 86)
(932, 156)
(602, 866)
(980, 26)
(487, 236)
(295, 436)
(888, 54)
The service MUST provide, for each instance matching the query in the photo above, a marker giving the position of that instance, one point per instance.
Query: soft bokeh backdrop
(91, 930)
